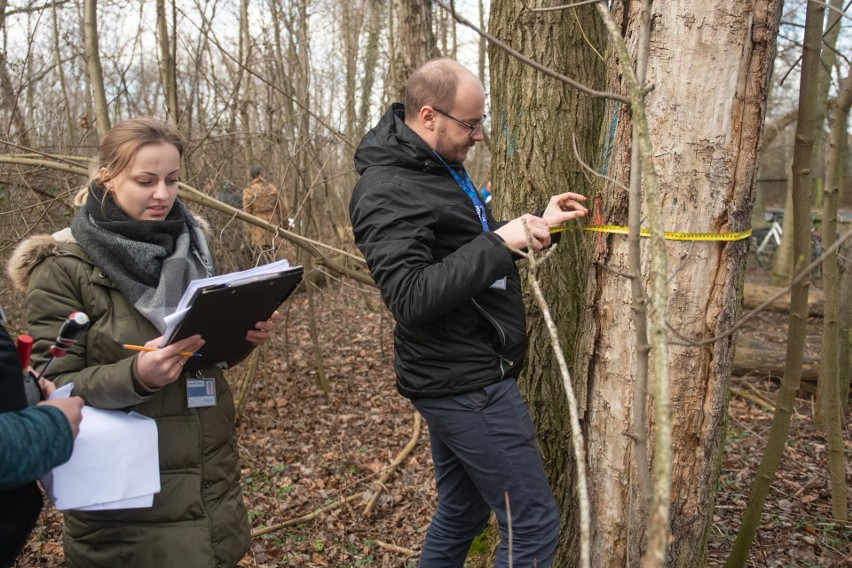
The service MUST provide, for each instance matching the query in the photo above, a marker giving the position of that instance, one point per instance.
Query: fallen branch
(759, 401)
(751, 357)
(308, 517)
(395, 548)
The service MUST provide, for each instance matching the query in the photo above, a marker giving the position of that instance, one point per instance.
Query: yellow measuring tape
(668, 236)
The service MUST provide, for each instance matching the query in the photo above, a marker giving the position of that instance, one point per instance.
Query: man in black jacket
(445, 272)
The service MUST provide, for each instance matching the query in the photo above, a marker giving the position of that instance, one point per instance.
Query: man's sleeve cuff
(494, 238)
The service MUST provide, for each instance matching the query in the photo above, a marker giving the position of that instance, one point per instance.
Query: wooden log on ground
(755, 359)
(756, 294)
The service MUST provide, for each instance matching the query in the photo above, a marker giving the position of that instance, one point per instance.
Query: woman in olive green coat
(130, 252)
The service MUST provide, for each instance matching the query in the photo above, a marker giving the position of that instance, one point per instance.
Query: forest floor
(312, 460)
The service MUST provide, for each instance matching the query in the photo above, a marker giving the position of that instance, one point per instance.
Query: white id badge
(200, 392)
(499, 284)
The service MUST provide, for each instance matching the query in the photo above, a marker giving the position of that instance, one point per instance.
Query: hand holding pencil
(158, 367)
(146, 348)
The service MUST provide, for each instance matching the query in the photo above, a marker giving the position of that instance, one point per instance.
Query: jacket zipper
(501, 332)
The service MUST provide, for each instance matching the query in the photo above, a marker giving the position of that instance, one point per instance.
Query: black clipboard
(222, 314)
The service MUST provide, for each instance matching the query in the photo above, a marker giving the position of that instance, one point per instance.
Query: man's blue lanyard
(468, 187)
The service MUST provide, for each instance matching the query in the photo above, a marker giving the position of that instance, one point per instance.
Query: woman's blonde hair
(120, 144)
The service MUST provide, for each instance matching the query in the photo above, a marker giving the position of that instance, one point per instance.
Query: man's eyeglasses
(472, 127)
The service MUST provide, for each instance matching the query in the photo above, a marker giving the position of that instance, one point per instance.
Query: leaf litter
(311, 461)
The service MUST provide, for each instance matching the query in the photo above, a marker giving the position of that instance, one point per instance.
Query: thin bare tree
(93, 65)
(830, 390)
(801, 175)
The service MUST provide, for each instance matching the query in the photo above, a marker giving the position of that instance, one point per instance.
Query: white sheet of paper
(133, 503)
(115, 463)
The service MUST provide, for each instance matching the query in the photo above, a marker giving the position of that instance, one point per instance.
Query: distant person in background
(229, 194)
(261, 199)
(129, 254)
(34, 440)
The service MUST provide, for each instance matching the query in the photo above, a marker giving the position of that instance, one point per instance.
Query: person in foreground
(130, 252)
(445, 272)
(35, 439)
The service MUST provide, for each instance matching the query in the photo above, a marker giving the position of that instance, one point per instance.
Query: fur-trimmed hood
(33, 250)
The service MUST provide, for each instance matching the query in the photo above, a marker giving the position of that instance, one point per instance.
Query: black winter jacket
(435, 267)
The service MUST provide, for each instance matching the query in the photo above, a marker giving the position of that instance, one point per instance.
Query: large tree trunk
(710, 74)
(534, 120)
(415, 41)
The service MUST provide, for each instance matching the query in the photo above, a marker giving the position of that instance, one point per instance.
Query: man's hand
(564, 207)
(72, 408)
(514, 235)
(560, 209)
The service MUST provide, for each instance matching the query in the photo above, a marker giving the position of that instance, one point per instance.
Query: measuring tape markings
(671, 236)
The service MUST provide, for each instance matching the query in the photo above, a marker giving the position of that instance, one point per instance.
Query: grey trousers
(483, 450)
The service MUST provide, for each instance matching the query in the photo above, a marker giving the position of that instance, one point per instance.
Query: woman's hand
(262, 330)
(158, 368)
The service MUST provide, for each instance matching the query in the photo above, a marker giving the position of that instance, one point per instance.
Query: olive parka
(198, 518)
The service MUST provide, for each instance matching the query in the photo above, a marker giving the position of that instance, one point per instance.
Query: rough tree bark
(415, 41)
(705, 113)
(534, 120)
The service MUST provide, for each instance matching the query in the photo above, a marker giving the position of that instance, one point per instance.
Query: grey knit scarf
(150, 262)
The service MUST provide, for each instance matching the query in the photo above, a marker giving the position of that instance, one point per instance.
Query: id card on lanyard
(200, 391)
(464, 182)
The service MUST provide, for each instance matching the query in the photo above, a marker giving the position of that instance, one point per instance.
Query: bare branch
(554, 8)
(526, 60)
(593, 171)
(577, 442)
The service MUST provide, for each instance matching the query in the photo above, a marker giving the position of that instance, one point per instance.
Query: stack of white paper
(115, 463)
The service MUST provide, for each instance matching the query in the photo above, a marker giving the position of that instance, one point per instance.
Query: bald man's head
(435, 83)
